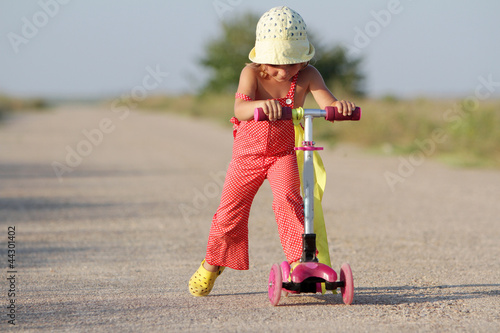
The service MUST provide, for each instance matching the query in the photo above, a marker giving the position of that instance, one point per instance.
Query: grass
(452, 131)
(10, 104)
(447, 130)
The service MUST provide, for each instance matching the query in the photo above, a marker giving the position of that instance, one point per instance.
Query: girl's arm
(243, 110)
(324, 96)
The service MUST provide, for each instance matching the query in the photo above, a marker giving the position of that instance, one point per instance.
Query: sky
(95, 48)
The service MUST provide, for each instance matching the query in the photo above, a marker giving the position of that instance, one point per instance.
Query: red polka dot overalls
(261, 150)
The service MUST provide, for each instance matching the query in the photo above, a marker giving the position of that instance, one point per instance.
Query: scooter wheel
(274, 287)
(348, 289)
(285, 274)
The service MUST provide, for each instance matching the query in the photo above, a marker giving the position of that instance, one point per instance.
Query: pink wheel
(274, 288)
(285, 274)
(348, 290)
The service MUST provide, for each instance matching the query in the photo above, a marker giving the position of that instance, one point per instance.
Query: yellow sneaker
(202, 281)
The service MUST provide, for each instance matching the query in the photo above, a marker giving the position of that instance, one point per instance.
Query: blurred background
(414, 66)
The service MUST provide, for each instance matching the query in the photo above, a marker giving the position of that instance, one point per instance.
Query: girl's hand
(344, 107)
(272, 109)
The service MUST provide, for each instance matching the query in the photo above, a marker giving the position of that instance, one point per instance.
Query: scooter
(309, 275)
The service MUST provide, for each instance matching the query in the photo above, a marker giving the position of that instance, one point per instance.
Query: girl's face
(282, 73)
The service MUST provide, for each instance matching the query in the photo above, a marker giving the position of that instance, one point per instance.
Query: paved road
(112, 210)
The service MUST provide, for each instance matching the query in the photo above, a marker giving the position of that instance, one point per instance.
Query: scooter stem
(308, 177)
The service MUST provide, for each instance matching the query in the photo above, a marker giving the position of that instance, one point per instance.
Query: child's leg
(228, 238)
(288, 205)
(210, 268)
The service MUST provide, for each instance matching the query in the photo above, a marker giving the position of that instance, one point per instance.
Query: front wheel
(275, 285)
(348, 289)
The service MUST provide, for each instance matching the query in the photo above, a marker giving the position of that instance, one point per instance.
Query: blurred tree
(341, 74)
(226, 56)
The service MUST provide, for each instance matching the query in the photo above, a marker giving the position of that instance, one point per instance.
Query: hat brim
(275, 52)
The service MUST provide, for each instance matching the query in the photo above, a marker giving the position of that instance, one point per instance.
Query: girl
(280, 75)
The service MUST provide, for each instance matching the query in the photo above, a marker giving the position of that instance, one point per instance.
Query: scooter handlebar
(259, 115)
(330, 113)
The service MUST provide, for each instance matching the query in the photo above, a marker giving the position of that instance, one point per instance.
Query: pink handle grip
(332, 114)
(259, 115)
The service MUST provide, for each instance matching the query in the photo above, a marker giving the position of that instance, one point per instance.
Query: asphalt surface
(112, 210)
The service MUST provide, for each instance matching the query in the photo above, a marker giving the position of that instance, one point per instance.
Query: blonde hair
(261, 68)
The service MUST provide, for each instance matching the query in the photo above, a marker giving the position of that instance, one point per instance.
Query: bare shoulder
(311, 74)
(249, 76)
(315, 84)
(248, 81)
(249, 72)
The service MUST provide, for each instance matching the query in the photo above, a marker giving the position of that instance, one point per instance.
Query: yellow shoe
(202, 281)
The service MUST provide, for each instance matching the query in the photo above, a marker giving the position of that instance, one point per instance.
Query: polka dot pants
(262, 150)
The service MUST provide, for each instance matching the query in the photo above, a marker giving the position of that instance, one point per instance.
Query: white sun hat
(281, 38)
